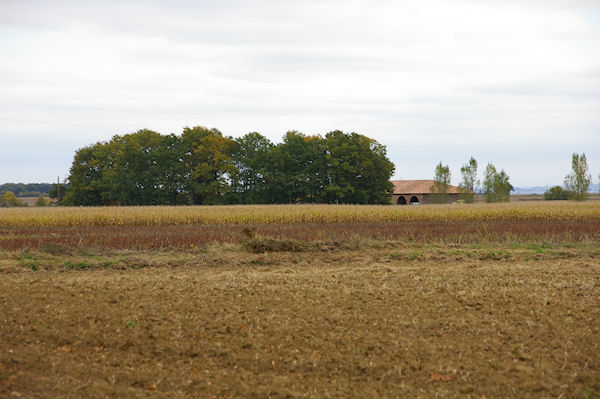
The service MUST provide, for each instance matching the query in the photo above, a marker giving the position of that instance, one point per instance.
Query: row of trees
(203, 166)
(9, 199)
(496, 185)
(26, 190)
(577, 182)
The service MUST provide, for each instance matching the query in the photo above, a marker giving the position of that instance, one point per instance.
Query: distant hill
(26, 190)
(594, 188)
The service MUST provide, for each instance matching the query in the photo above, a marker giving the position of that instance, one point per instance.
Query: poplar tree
(578, 181)
(441, 182)
(469, 181)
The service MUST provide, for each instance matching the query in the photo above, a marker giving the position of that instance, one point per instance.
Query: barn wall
(423, 198)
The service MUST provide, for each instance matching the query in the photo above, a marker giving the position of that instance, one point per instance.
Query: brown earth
(371, 322)
(161, 237)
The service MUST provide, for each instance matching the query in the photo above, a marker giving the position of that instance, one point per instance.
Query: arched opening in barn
(414, 200)
(401, 200)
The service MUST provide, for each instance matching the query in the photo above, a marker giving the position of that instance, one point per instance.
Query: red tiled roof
(417, 187)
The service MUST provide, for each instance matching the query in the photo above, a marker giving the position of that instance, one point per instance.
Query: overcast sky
(516, 83)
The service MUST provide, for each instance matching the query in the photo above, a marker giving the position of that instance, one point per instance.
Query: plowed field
(424, 321)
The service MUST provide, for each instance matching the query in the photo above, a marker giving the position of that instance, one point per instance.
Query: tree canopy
(203, 166)
(26, 190)
(9, 199)
(578, 181)
(556, 193)
(469, 181)
(441, 182)
(496, 185)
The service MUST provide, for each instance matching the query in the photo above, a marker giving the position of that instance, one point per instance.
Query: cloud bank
(515, 83)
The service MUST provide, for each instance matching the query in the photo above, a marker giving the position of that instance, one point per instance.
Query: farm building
(414, 192)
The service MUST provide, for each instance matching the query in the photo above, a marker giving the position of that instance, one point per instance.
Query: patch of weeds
(569, 245)
(136, 263)
(494, 255)
(411, 255)
(588, 393)
(267, 244)
(538, 248)
(29, 260)
(200, 249)
(55, 248)
(260, 262)
(376, 244)
(564, 254)
(108, 263)
(31, 264)
(132, 324)
(26, 254)
(81, 265)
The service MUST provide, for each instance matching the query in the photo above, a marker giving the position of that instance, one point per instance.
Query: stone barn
(415, 192)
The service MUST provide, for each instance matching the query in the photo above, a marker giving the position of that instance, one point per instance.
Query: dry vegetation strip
(286, 214)
(66, 239)
(374, 322)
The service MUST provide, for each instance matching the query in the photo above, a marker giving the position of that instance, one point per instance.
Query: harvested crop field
(387, 322)
(482, 301)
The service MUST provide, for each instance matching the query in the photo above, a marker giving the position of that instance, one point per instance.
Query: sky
(512, 82)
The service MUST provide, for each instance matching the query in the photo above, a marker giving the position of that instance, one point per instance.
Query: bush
(42, 201)
(10, 199)
(556, 193)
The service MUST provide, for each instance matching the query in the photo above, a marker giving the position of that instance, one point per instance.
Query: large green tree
(207, 156)
(298, 169)
(441, 182)
(134, 177)
(358, 168)
(578, 181)
(89, 185)
(469, 180)
(252, 162)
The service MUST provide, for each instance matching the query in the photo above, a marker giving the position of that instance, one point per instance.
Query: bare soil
(366, 322)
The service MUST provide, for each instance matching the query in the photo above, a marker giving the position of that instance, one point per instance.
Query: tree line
(204, 166)
(496, 185)
(576, 184)
(26, 190)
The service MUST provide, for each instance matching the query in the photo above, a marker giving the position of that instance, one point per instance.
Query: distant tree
(298, 170)
(469, 181)
(138, 173)
(578, 181)
(42, 201)
(207, 156)
(556, 193)
(2, 200)
(10, 199)
(26, 190)
(496, 185)
(441, 182)
(251, 159)
(88, 178)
